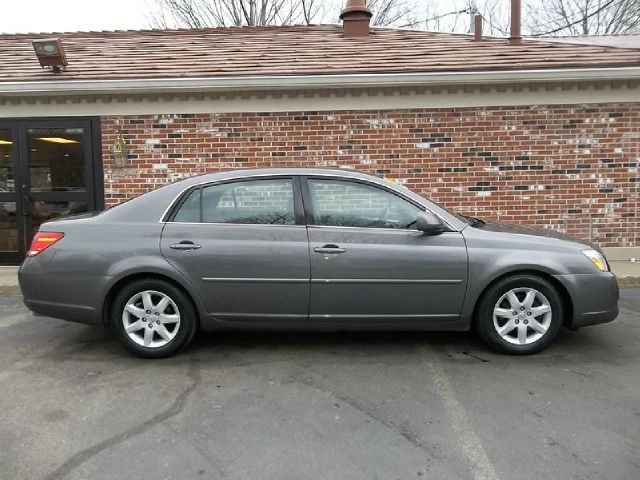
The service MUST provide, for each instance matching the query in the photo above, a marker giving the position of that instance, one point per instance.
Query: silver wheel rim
(522, 316)
(151, 319)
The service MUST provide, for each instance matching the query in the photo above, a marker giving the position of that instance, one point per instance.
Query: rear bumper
(64, 311)
(594, 297)
(68, 296)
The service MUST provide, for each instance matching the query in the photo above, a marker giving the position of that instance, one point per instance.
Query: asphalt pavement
(74, 404)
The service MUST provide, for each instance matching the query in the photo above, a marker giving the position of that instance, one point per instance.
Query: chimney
(355, 18)
(516, 36)
(477, 27)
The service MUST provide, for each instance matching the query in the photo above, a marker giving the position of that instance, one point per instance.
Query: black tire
(185, 330)
(484, 320)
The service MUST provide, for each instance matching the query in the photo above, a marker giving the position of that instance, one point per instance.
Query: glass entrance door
(11, 248)
(46, 171)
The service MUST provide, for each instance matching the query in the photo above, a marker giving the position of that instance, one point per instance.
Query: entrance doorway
(48, 169)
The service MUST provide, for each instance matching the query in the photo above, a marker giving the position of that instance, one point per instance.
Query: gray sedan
(310, 249)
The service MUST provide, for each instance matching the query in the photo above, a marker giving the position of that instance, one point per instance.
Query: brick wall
(572, 168)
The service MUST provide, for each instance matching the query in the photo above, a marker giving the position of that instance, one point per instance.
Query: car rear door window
(342, 203)
(268, 202)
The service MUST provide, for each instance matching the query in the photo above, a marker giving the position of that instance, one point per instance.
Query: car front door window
(341, 203)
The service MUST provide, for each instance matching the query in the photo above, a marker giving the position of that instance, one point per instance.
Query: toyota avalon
(309, 249)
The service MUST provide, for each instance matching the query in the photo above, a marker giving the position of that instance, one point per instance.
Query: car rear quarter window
(352, 204)
(189, 211)
(268, 202)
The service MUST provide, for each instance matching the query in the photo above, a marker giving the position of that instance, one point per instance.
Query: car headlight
(597, 258)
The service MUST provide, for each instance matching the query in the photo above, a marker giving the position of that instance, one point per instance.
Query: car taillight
(43, 240)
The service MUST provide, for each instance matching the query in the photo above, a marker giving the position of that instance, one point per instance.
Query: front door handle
(329, 249)
(184, 245)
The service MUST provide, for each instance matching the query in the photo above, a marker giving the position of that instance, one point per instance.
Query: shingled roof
(292, 50)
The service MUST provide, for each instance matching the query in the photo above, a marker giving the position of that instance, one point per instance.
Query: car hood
(534, 232)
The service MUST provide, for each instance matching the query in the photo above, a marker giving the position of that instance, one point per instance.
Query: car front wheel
(521, 314)
(153, 318)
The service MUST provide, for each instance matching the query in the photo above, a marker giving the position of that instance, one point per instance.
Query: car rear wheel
(521, 314)
(153, 318)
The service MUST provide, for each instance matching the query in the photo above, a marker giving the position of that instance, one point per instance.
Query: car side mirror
(430, 224)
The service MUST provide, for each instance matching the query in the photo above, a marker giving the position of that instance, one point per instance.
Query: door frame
(11, 258)
(388, 282)
(257, 283)
(20, 152)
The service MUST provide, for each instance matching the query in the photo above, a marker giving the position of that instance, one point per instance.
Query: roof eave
(285, 82)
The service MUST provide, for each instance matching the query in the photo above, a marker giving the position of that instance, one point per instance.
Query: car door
(244, 245)
(368, 263)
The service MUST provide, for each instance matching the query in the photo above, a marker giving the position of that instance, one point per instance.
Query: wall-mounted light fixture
(50, 53)
(119, 151)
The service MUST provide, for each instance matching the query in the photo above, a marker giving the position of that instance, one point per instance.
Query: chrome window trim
(240, 176)
(380, 229)
(221, 224)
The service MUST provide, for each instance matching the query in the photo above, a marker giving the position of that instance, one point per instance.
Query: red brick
(478, 141)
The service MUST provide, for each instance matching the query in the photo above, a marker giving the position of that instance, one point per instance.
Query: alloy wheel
(522, 316)
(151, 319)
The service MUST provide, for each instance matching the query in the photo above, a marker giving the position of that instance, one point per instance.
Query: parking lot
(74, 404)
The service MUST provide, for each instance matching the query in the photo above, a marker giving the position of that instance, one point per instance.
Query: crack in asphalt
(174, 409)
(477, 357)
(552, 442)
(402, 430)
(412, 437)
(592, 379)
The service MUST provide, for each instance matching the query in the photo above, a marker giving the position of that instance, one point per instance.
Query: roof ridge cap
(173, 30)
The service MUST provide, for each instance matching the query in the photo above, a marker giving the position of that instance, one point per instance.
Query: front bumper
(594, 297)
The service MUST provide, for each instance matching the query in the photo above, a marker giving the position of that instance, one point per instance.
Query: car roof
(253, 172)
(155, 203)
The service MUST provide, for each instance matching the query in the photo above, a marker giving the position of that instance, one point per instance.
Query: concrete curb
(10, 290)
(9, 281)
(629, 282)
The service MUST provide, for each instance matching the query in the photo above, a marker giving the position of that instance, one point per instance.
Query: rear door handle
(184, 245)
(329, 249)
